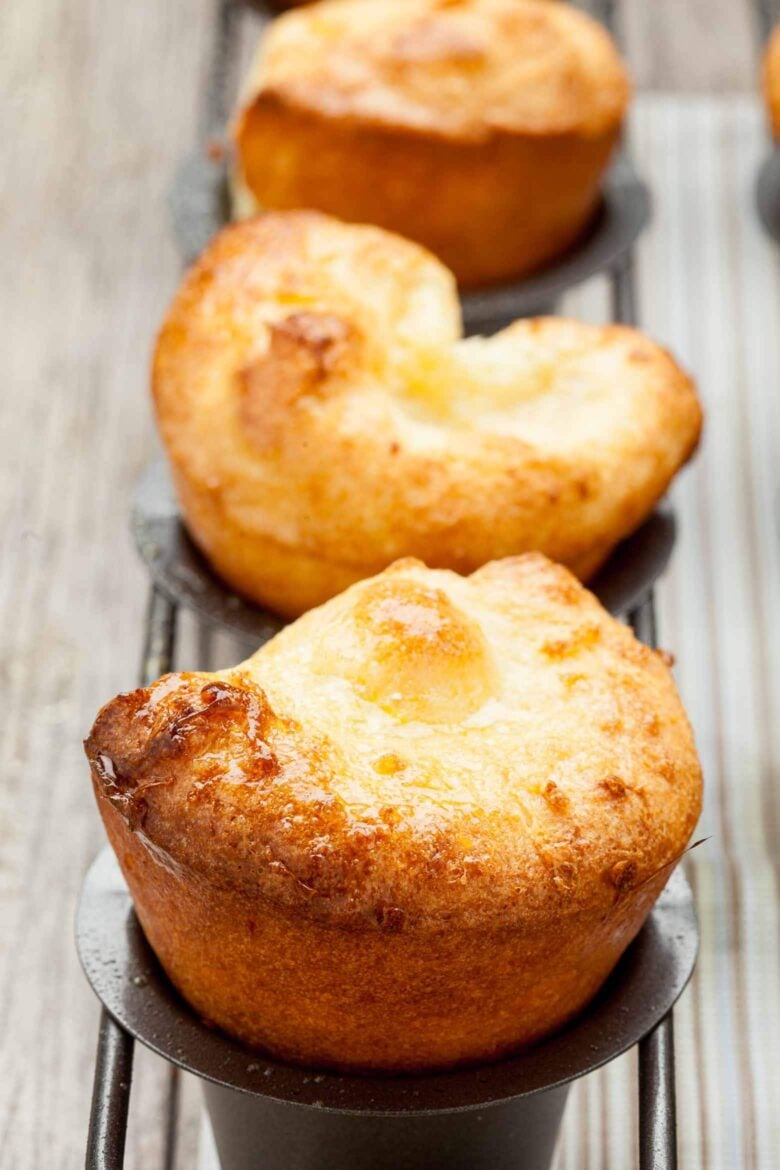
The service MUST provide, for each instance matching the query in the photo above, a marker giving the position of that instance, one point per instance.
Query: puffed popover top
(479, 128)
(452, 68)
(417, 828)
(436, 747)
(323, 416)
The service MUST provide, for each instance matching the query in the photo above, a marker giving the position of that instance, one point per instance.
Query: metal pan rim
(127, 978)
(199, 204)
(182, 573)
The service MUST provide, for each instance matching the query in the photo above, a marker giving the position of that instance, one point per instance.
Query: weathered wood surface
(690, 44)
(98, 103)
(710, 289)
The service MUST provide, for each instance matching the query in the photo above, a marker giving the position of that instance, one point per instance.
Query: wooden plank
(97, 106)
(100, 101)
(710, 288)
(698, 45)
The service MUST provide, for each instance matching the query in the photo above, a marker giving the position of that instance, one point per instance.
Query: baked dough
(771, 78)
(324, 416)
(479, 128)
(417, 828)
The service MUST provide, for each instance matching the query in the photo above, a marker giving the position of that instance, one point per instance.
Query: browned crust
(383, 1000)
(272, 869)
(311, 446)
(492, 211)
(494, 195)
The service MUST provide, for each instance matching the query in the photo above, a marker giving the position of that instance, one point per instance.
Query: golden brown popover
(479, 128)
(324, 416)
(771, 79)
(418, 828)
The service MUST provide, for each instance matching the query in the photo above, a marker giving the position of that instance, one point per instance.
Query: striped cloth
(709, 284)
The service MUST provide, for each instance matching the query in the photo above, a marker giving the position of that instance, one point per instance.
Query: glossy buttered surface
(472, 789)
(184, 575)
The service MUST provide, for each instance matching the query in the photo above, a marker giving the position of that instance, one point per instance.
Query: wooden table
(99, 103)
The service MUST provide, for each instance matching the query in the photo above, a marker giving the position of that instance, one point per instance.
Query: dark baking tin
(200, 206)
(272, 1116)
(180, 571)
(183, 575)
(768, 194)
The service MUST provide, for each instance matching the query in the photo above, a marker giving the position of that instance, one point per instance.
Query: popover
(418, 828)
(324, 416)
(771, 79)
(479, 128)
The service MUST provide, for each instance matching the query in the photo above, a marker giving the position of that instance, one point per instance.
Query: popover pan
(200, 206)
(185, 577)
(267, 1115)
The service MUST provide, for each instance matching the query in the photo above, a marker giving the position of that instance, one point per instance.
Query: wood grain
(99, 101)
(691, 45)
